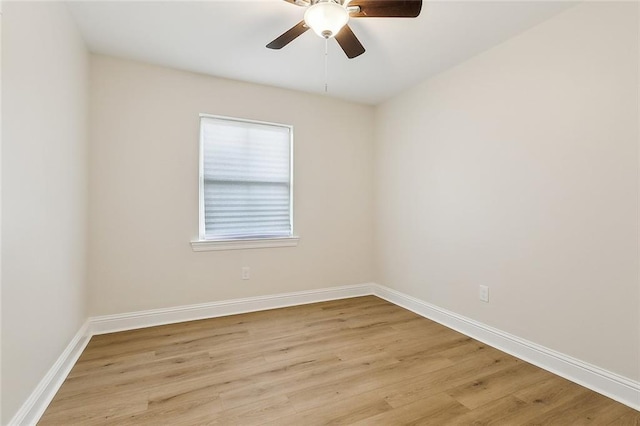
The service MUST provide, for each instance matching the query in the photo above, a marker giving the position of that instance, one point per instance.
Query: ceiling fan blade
(349, 42)
(288, 36)
(386, 8)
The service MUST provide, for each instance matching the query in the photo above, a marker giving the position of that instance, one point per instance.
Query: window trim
(238, 244)
(203, 244)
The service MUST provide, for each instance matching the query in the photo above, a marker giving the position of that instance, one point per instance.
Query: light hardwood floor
(359, 361)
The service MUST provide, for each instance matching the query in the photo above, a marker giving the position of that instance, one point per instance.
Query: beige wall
(144, 190)
(519, 170)
(44, 103)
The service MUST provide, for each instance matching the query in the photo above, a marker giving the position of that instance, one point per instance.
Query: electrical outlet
(483, 293)
(246, 272)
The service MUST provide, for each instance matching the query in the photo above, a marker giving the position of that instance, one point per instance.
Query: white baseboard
(41, 397)
(150, 318)
(614, 386)
(595, 378)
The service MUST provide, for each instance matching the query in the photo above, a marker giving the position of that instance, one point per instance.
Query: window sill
(212, 245)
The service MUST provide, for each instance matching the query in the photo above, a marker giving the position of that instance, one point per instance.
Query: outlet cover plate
(483, 293)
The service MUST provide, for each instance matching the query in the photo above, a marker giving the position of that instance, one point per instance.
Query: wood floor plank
(552, 391)
(312, 385)
(491, 387)
(587, 409)
(358, 361)
(434, 410)
(95, 410)
(344, 411)
(508, 410)
(627, 419)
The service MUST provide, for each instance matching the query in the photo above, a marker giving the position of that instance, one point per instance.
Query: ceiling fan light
(326, 18)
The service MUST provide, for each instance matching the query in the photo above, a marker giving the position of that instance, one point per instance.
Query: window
(245, 184)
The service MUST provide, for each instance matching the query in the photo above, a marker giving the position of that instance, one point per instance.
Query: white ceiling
(228, 38)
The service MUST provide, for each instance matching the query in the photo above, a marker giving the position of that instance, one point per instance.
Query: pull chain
(326, 68)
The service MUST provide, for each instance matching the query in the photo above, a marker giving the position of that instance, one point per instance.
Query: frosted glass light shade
(326, 18)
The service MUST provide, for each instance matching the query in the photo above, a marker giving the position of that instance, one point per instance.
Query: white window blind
(245, 187)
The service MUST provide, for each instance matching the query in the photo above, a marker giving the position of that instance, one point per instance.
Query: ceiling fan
(329, 18)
